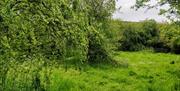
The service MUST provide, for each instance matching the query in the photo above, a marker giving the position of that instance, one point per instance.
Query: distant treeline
(135, 36)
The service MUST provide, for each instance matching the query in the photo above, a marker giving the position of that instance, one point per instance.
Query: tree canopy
(173, 11)
(61, 29)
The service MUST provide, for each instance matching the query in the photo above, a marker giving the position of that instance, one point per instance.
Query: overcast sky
(128, 14)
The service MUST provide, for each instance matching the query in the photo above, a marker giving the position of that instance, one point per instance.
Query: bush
(132, 40)
(150, 28)
(176, 45)
(145, 35)
(97, 49)
(169, 35)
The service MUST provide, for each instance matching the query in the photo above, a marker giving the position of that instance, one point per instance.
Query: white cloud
(128, 14)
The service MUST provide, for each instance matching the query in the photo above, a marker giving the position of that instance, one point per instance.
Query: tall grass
(139, 71)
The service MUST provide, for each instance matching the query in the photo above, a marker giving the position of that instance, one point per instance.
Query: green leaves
(56, 29)
(5, 42)
(172, 12)
(135, 38)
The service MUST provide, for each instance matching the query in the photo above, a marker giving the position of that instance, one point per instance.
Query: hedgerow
(55, 29)
(149, 35)
(68, 31)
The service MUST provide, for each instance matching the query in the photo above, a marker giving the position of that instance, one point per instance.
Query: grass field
(139, 71)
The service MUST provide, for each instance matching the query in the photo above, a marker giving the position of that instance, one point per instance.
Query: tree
(172, 12)
(100, 10)
(60, 29)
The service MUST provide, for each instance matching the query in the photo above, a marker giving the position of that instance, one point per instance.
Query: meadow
(75, 45)
(137, 71)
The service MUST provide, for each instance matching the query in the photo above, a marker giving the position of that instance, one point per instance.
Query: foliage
(131, 40)
(60, 30)
(100, 10)
(174, 9)
(114, 33)
(133, 36)
(138, 37)
(176, 45)
(97, 50)
(150, 27)
(169, 36)
(54, 29)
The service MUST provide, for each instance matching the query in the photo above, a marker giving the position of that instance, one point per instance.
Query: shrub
(97, 49)
(176, 45)
(169, 35)
(132, 40)
(150, 28)
(145, 35)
